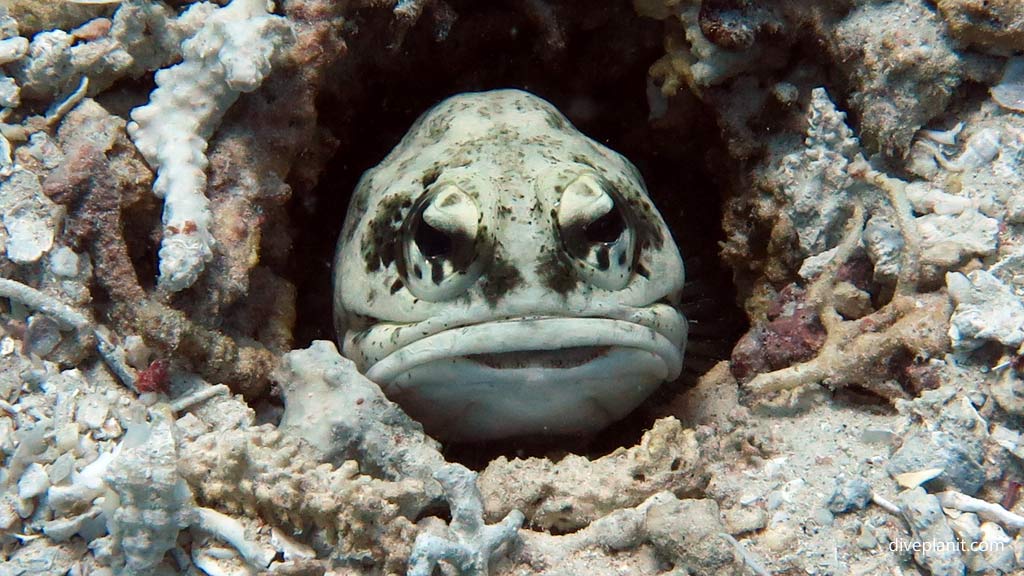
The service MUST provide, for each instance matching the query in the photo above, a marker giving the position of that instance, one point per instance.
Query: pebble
(41, 336)
(780, 538)
(61, 468)
(34, 481)
(938, 552)
(849, 494)
(998, 549)
(1009, 93)
(743, 519)
(64, 262)
(936, 449)
(878, 436)
(92, 411)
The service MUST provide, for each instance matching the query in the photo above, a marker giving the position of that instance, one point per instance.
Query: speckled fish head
(501, 274)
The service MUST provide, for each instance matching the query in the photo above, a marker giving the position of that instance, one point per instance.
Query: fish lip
(527, 334)
(380, 337)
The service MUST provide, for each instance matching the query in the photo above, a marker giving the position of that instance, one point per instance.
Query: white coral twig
(46, 304)
(470, 542)
(233, 532)
(986, 510)
(229, 55)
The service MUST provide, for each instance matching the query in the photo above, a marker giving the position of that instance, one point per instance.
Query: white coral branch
(470, 542)
(230, 54)
(986, 510)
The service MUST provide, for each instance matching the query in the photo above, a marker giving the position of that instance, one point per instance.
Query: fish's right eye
(440, 244)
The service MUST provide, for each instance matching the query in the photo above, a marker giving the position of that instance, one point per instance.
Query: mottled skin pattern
(501, 165)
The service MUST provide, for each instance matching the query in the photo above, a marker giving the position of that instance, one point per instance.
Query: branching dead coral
(469, 542)
(855, 351)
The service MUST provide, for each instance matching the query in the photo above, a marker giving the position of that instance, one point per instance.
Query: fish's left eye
(593, 223)
(440, 257)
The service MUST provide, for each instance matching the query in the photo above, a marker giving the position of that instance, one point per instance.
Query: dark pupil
(606, 229)
(431, 241)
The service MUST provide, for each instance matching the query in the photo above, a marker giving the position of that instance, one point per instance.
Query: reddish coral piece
(153, 378)
(792, 334)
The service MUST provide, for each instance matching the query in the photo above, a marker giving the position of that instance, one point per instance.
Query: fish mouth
(546, 344)
(562, 358)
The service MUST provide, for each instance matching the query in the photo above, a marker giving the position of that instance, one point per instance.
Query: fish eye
(605, 229)
(433, 243)
(440, 236)
(594, 225)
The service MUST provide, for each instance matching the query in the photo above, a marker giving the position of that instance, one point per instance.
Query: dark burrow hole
(594, 69)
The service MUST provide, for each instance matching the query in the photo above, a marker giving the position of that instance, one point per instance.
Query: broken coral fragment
(347, 417)
(986, 310)
(468, 543)
(230, 54)
(29, 217)
(152, 503)
(814, 181)
(1009, 93)
(996, 25)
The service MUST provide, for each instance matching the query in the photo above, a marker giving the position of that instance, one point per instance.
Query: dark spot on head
(554, 119)
(397, 285)
(451, 200)
(380, 243)
(502, 277)
(622, 259)
(436, 273)
(417, 271)
(581, 159)
(643, 271)
(556, 274)
(430, 176)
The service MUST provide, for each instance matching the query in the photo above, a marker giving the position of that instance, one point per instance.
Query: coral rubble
(871, 155)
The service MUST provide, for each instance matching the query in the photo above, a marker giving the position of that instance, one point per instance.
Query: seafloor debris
(859, 270)
(923, 513)
(1009, 93)
(347, 417)
(468, 544)
(996, 25)
(576, 491)
(986, 310)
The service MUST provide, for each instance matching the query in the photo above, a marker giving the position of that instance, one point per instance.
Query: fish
(500, 274)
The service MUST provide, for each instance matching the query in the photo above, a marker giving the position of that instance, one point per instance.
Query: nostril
(605, 229)
(431, 241)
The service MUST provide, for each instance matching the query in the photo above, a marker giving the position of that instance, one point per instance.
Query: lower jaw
(463, 399)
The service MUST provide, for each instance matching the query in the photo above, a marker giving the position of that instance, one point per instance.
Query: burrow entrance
(593, 66)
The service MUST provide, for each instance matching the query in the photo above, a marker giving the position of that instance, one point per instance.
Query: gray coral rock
(572, 493)
(961, 466)
(337, 409)
(986, 310)
(815, 181)
(928, 525)
(901, 67)
(468, 544)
